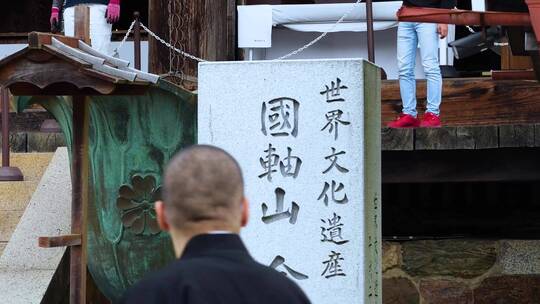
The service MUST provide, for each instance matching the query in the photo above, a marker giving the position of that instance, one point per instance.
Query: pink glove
(113, 11)
(55, 11)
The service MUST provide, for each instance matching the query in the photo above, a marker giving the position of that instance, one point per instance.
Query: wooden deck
(476, 177)
(474, 101)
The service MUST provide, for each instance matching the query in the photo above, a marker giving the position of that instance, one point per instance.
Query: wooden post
(79, 205)
(7, 173)
(158, 54)
(77, 240)
(82, 23)
(137, 40)
(209, 32)
(5, 129)
(370, 32)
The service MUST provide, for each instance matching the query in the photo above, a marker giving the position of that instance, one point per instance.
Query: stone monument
(307, 136)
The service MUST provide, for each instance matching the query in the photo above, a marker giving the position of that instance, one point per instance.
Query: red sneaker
(404, 121)
(430, 120)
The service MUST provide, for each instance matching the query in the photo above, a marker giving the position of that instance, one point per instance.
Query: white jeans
(100, 30)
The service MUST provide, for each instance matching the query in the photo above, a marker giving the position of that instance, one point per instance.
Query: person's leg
(69, 21)
(100, 29)
(428, 39)
(407, 43)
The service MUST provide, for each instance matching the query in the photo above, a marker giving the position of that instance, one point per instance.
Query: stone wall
(22, 142)
(461, 271)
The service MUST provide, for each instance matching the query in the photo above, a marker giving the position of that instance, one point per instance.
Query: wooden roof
(60, 65)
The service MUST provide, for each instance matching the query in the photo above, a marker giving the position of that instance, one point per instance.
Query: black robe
(215, 269)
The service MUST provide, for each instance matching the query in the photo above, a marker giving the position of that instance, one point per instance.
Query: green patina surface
(131, 140)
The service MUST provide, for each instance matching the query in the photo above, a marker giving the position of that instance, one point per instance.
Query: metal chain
(170, 46)
(295, 52)
(179, 51)
(182, 38)
(176, 38)
(125, 38)
(169, 23)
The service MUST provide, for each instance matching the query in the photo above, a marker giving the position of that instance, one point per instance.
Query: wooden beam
(60, 241)
(463, 17)
(456, 138)
(518, 136)
(397, 139)
(514, 74)
(461, 138)
(37, 39)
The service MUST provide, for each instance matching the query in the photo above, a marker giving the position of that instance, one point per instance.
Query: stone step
(35, 141)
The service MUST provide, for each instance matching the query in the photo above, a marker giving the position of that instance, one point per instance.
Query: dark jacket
(216, 269)
(431, 3)
(70, 3)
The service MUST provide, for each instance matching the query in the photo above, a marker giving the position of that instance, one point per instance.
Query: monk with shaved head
(203, 209)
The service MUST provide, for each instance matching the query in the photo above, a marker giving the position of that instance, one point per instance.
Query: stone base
(10, 174)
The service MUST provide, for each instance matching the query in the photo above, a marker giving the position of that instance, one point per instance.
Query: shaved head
(203, 184)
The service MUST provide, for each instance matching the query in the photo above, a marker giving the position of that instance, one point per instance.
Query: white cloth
(342, 27)
(100, 30)
(255, 22)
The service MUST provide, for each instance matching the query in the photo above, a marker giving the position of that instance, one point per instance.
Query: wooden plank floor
(473, 101)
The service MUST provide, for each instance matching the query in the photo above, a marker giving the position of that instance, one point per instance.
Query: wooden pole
(79, 199)
(158, 54)
(7, 173)
(5, 129)
(82, 23)
(79, 205)
(370, 31)
(137, 40)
